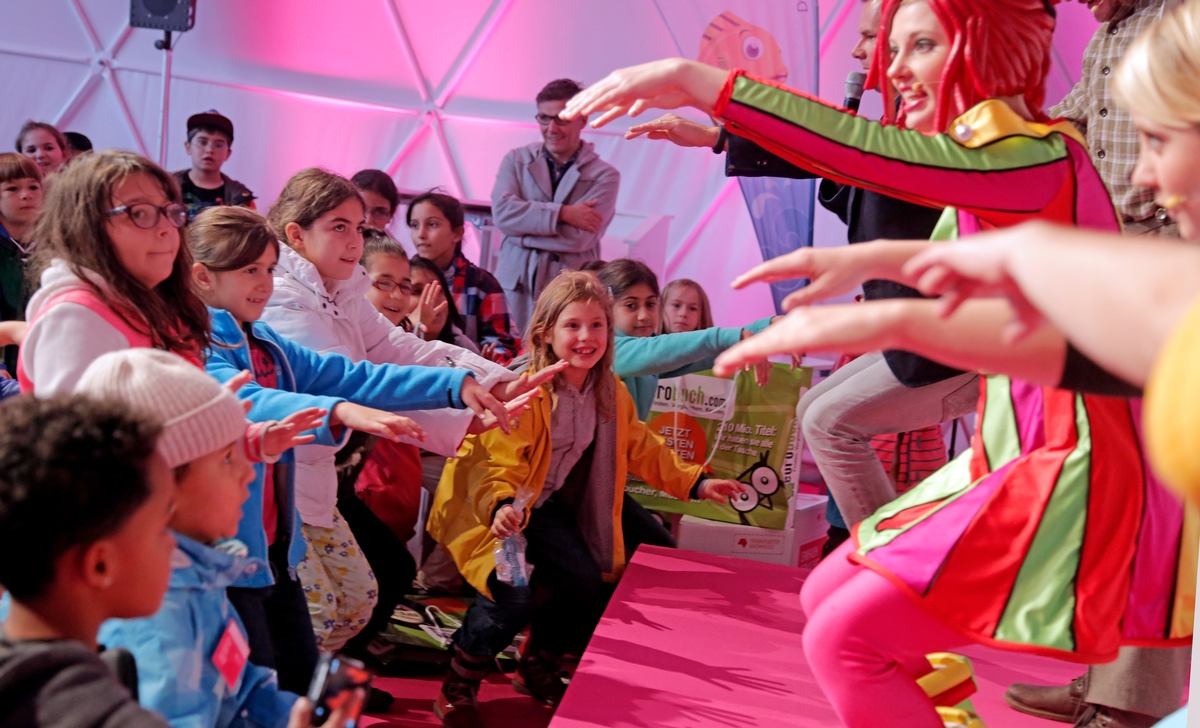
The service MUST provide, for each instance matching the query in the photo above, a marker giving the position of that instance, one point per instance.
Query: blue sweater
(174, 648)
(309, 379)
(640, 360)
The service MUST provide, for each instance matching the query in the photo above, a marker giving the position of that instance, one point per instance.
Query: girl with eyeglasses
(391, 291)
(114, 271)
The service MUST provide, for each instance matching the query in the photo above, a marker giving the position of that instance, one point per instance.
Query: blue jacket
(174, 648)
(640, 360)
(309, 379)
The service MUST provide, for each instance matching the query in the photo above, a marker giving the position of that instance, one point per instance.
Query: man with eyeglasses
(209, 144)
(553, 200)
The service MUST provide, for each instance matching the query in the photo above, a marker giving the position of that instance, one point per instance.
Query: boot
(1064, 703)
(539, 675)
(836, 537)
(457, 703)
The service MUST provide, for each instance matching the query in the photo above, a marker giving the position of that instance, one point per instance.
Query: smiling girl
(235, 254)
(570, 456)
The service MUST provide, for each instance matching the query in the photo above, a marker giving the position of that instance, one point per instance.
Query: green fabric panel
(1045, 586)
(947, 226)
(948, 483)
(998, 432)
(937, 151)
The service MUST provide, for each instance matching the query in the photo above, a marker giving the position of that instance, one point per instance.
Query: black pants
(278, 626)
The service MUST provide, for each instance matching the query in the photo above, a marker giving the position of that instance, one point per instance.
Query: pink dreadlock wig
(997, 48)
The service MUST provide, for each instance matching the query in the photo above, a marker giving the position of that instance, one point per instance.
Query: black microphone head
(855, 83)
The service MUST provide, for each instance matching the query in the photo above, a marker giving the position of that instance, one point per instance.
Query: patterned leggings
(338, 584)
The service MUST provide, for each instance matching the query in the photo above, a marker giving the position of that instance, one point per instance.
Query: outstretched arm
(1116, 299)
(1015, 173)
(972, 338)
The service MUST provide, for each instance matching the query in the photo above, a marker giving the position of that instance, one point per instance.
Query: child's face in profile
(580, 336)
(391, 291)
(681, 309)
(144, 544)
(243, 292)
(635, 312)
(211, 491)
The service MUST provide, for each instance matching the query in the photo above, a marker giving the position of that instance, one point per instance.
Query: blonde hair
(569, 287)
(706, 319)
(1158, 74)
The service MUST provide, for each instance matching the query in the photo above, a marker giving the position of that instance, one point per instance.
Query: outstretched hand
(513, 409)
(481, 401)
(955, 272)
(677, 130)
(850, 329)
(372, 421)
(284, 435)
(666, 84)
(505, 391)
(831, 272)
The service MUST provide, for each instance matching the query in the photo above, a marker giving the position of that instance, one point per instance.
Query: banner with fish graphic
(776, 40)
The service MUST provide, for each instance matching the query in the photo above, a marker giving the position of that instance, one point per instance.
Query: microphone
(854, 90)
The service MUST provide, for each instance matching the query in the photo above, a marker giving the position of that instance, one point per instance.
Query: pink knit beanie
(199, 416)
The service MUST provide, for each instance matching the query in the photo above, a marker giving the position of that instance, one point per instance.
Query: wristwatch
(722, 135)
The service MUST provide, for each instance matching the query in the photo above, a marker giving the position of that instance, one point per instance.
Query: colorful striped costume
(1050, 535)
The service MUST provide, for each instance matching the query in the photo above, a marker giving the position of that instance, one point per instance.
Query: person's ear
(187, 146)
(97, 564)
(458, 234)
(294, 235)
(202, 276)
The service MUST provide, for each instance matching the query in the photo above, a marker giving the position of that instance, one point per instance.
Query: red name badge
(231, 655)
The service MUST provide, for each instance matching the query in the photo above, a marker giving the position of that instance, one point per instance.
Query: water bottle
(511, 567)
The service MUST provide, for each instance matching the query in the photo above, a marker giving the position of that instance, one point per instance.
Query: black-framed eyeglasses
(545, 119)
(388, 286)
(146, 214)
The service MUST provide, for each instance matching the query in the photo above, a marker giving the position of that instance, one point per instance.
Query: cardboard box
(797, 545)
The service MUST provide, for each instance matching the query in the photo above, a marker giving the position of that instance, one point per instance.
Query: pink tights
(866, 643)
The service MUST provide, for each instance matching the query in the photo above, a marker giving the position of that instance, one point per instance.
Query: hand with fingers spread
(375, 422)
(721, 489)
(513, 409)
(493, 352)
(850, 329)
(505, 391)
(975, 268)
(508, 520)
(284, 435)
(481, 401)
(677, 130)
(582, 215)
(762, 369)
(431, 313)
(237, 381)
(666, 84)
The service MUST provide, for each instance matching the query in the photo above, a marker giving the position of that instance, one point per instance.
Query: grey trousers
(1141, 680)
(839, 416)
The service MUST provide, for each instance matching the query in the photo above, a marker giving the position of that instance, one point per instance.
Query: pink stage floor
(698, 640)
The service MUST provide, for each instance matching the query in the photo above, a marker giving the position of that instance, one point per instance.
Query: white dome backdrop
(433, 91)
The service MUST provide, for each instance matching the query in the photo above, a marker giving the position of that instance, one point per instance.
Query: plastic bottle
(511, 567)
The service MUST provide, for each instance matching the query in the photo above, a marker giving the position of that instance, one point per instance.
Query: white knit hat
(199, 416)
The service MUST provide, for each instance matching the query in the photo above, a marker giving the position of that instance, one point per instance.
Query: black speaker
(175, 15)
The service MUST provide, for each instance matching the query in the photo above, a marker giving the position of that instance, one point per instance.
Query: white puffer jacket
(343, 320)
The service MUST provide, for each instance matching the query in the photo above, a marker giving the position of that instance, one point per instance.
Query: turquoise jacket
(641, 360)
(309, 379)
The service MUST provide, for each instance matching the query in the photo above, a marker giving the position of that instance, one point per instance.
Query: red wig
(997, 48)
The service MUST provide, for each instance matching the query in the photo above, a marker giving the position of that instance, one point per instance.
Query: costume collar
(993, 120)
